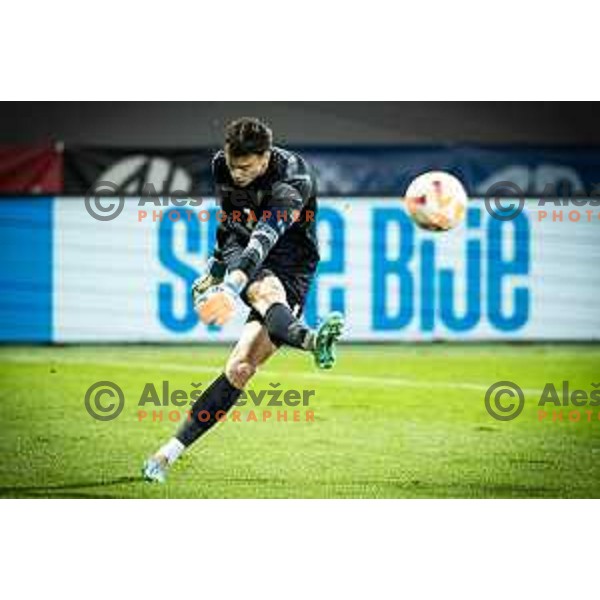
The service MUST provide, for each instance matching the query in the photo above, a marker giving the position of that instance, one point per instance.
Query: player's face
(245, 169)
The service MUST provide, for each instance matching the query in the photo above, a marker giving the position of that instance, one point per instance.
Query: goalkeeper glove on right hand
(213, 275)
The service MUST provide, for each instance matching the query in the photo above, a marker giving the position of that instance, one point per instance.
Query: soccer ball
(436, 201)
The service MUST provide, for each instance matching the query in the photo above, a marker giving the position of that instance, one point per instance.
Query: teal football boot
(326, 337)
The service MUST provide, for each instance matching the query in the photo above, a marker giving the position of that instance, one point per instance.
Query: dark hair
(248, 136)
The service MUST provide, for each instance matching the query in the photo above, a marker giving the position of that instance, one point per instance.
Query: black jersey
(276, 213)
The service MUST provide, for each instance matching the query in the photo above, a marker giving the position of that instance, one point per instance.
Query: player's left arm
(275, 219)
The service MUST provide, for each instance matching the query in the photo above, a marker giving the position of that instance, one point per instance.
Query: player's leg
(270, 297)
(253, 349)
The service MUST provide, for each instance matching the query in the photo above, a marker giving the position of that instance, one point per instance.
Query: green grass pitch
(400, 421)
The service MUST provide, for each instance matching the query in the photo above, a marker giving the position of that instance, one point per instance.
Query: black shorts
(294, 265)
(296, 286)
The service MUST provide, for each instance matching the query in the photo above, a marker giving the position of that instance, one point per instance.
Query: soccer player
(266, 253)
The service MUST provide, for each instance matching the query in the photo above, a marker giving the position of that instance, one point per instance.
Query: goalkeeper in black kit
(266, 253)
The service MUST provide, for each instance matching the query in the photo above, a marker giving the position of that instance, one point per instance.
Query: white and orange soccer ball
(436, 201)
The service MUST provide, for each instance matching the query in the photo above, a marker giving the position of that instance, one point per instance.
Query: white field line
(276, 376)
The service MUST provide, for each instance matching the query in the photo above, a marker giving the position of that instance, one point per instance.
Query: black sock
(284, 328)
(216, 400)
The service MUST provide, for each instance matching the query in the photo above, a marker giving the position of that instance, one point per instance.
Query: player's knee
(266, 292)
(239, 371)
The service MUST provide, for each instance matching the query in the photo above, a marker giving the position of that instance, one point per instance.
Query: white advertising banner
(536, 277)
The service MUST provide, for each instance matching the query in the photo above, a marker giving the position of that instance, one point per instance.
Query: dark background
(200, 123)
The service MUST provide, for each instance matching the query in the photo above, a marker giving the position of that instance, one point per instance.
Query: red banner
(31, 169)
